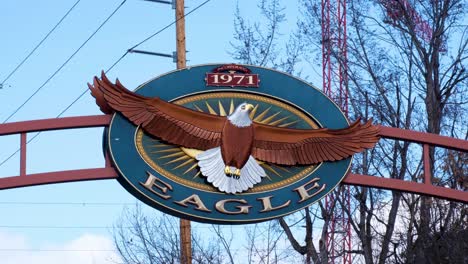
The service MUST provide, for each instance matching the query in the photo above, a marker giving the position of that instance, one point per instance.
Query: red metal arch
(108, 172)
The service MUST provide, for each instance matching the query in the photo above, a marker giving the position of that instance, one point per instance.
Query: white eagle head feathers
(240, 117)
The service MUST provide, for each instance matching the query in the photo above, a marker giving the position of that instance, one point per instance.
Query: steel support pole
(185, 227)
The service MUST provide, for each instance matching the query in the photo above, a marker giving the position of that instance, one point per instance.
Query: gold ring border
(229, 95)
(219, 220)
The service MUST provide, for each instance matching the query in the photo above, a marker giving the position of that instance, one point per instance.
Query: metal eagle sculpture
(233, 144)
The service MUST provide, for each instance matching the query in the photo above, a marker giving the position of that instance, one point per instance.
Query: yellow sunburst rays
(175, 156)
(185, 157)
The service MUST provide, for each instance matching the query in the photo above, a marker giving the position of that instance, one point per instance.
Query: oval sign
(168, 177)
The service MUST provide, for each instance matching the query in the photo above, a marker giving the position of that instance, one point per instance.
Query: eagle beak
(250, 107)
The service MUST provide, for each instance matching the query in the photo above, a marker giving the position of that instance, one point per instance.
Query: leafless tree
(265, 244)
(256, 43)
(142, 238)
(155, 239)
(402, 76)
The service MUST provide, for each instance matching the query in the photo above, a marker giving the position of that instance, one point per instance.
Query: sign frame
(259, 206)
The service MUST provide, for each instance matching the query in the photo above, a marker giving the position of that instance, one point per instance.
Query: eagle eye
(243, 107)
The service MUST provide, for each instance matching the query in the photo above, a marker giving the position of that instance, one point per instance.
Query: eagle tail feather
(212, 167)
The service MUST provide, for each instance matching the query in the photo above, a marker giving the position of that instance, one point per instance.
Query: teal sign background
(123, 140)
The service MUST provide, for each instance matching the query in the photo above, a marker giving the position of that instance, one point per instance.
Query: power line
(114, 250)
(52, 76)
(68, 203)
(166, 27)
(17, 150)
(56, 250)
(39, 44)
(60, 227)
(65, 63)
(117, 227)
(126, 53)
(110, 68)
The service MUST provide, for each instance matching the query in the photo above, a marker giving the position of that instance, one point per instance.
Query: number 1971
(232, 79)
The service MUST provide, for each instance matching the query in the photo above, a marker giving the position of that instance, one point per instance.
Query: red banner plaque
(232, 75)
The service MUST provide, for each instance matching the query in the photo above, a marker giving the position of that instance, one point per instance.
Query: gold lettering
(243, 209)
(195, 200)
(152, 182)
(267, 207)
(303, 191)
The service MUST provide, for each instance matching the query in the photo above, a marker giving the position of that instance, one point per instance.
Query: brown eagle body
(233, 142)
(236, 144)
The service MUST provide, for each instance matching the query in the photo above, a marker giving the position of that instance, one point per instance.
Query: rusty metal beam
(406, 186)
(54, 124)
(427, 165)
(423, 138)
(108, 172)
(23, 144)
(57, 177)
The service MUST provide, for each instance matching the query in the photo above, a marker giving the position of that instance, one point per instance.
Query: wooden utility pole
(180, 34)
(185, 228)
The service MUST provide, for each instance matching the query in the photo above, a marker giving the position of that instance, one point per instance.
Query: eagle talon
(227, 170)
(235, 174)
(230, 173)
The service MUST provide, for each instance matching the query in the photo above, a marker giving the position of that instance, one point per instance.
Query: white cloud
(86, 249)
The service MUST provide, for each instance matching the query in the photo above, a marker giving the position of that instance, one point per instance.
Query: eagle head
(240, 117)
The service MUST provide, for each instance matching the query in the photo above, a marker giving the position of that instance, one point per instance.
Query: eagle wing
(170, 122)
(300, 146)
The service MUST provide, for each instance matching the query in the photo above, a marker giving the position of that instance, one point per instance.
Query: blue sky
(98, 204)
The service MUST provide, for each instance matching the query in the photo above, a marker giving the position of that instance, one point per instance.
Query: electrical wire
(68, 203)
(105, 250)
(64, 63)
(136, 45)
(133, 47)
(59, 227)
(119, 227)
(55, 250)
(110, 68)
(169, 25)
(39, 44)
(113, 250)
